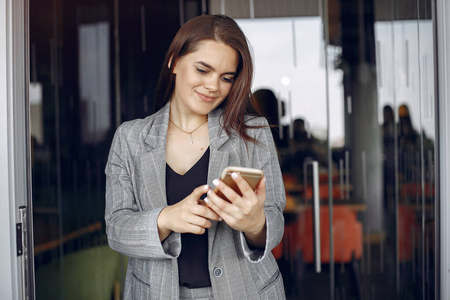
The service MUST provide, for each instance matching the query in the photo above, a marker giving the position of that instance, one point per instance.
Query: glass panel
(359, 100)
(94, 64)
(388, 120)
(429, 269)
(406, 102)
(407, 89)
(71, 113)
(290, 90)
(379, 76)
(358, 207)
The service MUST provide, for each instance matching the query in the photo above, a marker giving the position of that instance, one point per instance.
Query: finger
(191, 228)
(218, 204)
(200, 222)
(225, 209)
(187, 223)
(228, 192)
(261, 188)
(206, 212)
(199, 191)
(242, 184)
(211, 204)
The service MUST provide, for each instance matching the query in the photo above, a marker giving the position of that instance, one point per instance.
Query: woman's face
(203, 78)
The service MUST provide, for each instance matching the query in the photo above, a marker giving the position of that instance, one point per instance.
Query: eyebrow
(212, 68)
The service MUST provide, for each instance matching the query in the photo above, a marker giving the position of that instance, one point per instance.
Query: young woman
(181, 243)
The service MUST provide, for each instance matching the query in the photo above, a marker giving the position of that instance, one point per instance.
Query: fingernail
(206, 200)
(220, 219)
(209, 192)
(234, 175)
(216, 182)
(205, 187)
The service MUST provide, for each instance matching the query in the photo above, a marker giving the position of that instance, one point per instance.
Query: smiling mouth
(205, 98)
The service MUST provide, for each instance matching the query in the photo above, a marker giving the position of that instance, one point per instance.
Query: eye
(228, 79)
(200, 70)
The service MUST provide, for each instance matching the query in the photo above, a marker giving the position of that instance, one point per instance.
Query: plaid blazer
(136, 193)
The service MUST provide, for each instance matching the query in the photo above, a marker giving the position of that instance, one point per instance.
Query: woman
(181, 245)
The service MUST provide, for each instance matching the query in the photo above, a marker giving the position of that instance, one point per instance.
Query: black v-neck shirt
(193, 260)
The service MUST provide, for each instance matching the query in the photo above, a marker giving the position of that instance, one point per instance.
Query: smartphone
(252, 176)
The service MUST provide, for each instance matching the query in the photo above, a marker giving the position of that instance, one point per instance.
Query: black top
(193, 259)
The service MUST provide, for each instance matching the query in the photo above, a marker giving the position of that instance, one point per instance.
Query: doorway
(353, 84)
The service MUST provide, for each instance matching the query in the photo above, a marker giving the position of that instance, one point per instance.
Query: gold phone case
(252, 176)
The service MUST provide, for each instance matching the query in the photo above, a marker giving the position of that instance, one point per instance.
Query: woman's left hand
(244, 213)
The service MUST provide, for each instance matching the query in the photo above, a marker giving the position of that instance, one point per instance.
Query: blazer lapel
(217, 137)
(154, 176)
(153, 161)
(218, 160)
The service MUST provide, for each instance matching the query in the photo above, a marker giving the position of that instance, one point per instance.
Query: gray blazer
(136, 193)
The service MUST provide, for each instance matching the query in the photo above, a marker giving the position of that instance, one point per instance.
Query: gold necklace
(191, 138)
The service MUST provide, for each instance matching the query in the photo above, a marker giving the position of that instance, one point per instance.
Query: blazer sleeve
(265, 156)
(131, 230)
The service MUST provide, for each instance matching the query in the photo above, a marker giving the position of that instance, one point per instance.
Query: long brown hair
(221, 29)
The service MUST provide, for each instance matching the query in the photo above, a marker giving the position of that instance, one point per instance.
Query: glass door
(292, 90)
(355, 128)
(72, 118)
(406, 85)
(94, 64)
(349, 87)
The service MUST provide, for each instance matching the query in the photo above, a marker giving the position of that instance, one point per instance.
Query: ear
(170, 61)
(174, 67)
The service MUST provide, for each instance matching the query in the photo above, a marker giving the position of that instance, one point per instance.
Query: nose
(212, 83)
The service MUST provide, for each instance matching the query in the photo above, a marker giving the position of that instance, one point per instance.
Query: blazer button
(217, 272)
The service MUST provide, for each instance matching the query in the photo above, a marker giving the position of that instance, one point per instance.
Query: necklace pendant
(191, 138)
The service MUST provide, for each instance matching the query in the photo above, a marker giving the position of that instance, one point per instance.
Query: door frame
(17, 271)
(442, 36)
(15, 183)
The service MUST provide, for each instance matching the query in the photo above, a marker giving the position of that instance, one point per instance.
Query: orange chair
(411, 189)
(324, 192)
(408, 228)
(347, 243)
(347, 235)
(278, 251)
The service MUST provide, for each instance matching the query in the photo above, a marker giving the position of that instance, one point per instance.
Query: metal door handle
(22, 251)
(305, 179)
(341, 178)
(347, 175)
(316, 216)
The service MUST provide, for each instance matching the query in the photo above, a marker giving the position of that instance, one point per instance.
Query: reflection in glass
(407, 102)
(70, 112)
(381, 124)
(94, 73)
(93, 65)
(36, 113)
(381, 132)
(293, 48)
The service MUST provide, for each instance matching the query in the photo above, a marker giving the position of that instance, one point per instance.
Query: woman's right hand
(190, 215)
